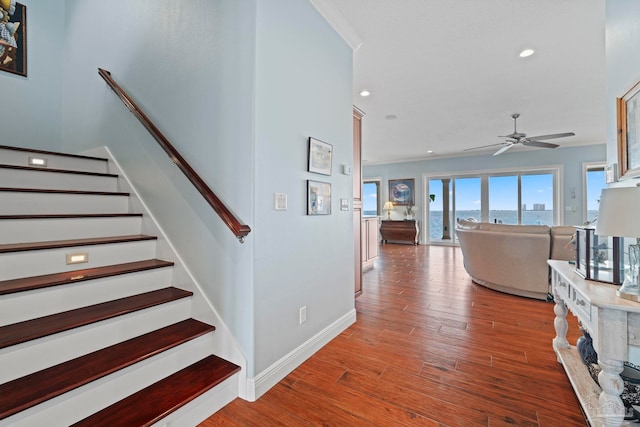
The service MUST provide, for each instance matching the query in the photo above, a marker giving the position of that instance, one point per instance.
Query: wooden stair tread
(48, 325)
(44, 190)
(73, 216)
(155, 402)
(56, 244)
(23, 393)
(52, 153)
(48, 280)
(68, 171)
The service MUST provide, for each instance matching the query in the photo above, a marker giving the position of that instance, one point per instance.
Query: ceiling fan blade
(552, 136)
(503, 149)
(530, 143)
(484, 146)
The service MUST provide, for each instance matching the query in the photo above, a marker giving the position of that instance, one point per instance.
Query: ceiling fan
(516, 138)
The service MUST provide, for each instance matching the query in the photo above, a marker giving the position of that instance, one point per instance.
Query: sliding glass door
(518, 197)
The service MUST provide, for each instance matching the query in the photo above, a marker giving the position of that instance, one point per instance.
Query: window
(503, 199)
(514, 197)
(537, 199)
(370, 198)
(595, 181)
(468, 198)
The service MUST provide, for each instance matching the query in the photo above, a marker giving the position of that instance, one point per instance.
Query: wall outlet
(303, 314)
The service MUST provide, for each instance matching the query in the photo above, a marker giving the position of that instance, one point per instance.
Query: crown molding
(338, 22)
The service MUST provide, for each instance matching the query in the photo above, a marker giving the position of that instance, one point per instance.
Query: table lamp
(387, 207)
(618, 216)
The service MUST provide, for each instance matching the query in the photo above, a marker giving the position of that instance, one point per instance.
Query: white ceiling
(450, 71)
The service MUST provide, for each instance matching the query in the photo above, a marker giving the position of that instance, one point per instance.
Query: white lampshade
(388, 206)
(619, 212)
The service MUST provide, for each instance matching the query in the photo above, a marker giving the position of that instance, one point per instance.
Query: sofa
(513, 258)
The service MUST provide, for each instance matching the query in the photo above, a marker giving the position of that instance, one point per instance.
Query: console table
(401, 231)
(614, 325)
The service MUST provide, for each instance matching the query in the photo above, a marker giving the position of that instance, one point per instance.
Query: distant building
(524, 206)
(538, 207)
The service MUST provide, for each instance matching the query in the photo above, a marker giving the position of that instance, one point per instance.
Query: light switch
(280, 201)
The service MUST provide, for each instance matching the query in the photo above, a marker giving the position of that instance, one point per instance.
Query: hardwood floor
(429, 348)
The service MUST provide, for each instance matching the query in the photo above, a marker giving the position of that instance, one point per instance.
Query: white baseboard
(266, 379)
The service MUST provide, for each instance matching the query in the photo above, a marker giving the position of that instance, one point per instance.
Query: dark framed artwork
(13, 38)
(401, 191)
(320, 154)
(318, 198)
(628, 118)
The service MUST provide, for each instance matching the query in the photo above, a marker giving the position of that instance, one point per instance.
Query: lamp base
(624, 295)
(630, 289)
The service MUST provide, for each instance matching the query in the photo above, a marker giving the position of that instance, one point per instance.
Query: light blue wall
(237, 87)
(191, 69)
(571, 159)
(31, 112)
(623, 64)
(303, 88)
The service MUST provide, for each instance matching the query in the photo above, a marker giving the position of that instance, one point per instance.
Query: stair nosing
(24, 284)
(119, 356)
(59, 244)
(226, 370)
(28, 330)
(67, 171)
(52, 153)
(45, 190)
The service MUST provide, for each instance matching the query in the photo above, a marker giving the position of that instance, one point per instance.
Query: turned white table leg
(611, 409)
(560, 325)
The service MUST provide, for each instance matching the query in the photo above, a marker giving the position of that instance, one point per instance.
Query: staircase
(92, 332)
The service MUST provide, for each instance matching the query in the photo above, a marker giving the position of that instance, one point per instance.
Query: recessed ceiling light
(365, 93)
(526, 52)
(390, 117)
(429, 151)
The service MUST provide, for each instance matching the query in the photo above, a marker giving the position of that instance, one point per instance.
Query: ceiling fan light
(526, 52)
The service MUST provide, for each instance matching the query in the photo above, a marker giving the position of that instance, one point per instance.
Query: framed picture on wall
(318, 198)
(320, 154)
(13, 37)
(401, 191)
(628, 115)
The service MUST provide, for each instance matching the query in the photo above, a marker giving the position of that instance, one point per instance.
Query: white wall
(570, 158)
(31, 111)
(237, 87)
(623, 64)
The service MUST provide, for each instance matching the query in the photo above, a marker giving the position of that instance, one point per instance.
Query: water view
(499, 216)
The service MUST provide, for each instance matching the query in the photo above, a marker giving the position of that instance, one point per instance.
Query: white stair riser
(29, 357)
(21, 158)
(28, 203)
(16, 178)
(84, 401)
(201, 408)
(28, 305)
(36, 263)
(41, 230)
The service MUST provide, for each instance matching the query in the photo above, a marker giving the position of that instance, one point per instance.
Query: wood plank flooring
(429, 348)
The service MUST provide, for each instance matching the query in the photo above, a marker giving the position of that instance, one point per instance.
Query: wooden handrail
(237, 228)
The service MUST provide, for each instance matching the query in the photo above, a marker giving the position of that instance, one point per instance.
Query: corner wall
(303, 88)
(237, 87)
